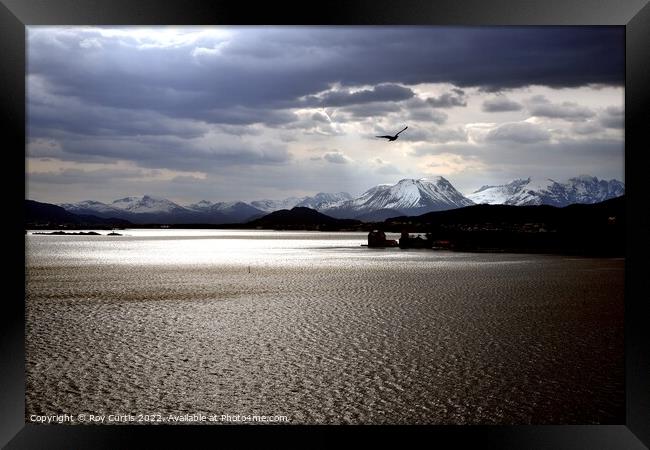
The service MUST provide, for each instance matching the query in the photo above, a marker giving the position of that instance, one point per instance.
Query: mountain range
(407, 197)
(319, 201)
(149, 209)
(522, 192)
(40, 214)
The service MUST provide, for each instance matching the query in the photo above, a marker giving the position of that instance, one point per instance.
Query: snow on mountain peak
(407, 196)
(434, 180)
(324, 200)
(87, 206)
(276, 205)
(146, 204)
(546, 191)
(201, 205)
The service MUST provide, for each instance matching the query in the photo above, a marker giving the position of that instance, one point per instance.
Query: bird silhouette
(392, 138)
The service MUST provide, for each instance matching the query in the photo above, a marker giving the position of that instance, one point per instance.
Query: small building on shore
(377, 238)
(417, 241)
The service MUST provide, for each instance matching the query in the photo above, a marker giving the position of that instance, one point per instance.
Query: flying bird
(392, 138)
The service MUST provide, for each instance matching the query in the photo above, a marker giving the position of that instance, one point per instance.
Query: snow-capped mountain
(146, 205)
(324, 200)
(581, 189)
(497, 195)
(201, 206)
(148, 209)
(91, 207)
(136, 205)
(407, 197)
(145, 209)
(225, 212)
(276, 205)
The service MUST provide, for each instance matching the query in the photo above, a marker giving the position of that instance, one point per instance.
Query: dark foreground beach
(313, 327)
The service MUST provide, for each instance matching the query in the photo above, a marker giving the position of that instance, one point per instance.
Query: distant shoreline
(464, 242)
(581, 229)
(65, 233)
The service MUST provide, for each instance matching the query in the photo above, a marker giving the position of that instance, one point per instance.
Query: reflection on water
(232, 247)
(316, 327)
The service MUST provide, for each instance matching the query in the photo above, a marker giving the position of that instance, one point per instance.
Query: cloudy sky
(246, 113)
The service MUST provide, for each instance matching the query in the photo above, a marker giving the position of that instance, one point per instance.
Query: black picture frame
(15, 15)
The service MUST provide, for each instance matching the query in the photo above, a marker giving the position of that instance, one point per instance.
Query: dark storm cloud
(428, 115)
(239, 130)
(272, 67)
(571, 111)
(75, 117)
(449, 99)
(44, 148)
(421, 110)
(159, 151)
(585, 128)
(381, 93)
(76, 176)
(92, 97)
(372, 109)
(317, 124)
(500, 104)
(612, 117)
(238, 115)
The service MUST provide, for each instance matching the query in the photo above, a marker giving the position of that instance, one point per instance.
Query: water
(314, 327)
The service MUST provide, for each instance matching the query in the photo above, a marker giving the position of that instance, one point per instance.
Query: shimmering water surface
(317, 328)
